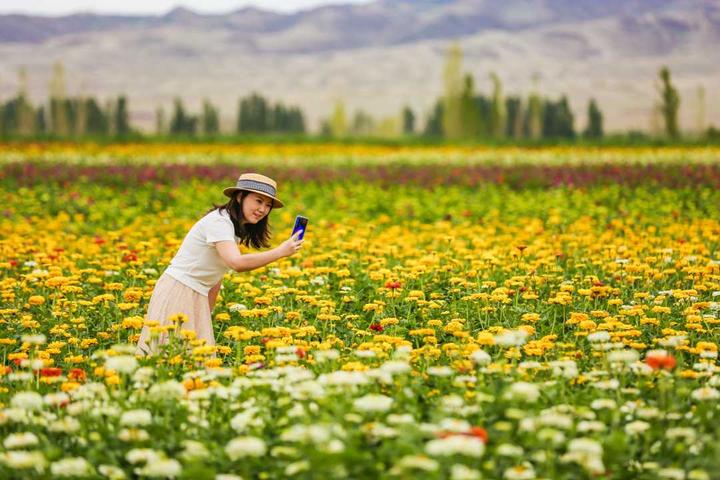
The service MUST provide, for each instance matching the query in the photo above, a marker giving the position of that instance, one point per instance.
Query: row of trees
(460, 113)
(80, 116)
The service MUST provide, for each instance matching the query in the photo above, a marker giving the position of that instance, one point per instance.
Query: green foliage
(182, 123)
(454, 93)
(595, 121)
(669, 103)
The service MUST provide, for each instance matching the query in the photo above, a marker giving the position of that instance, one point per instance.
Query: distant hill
(380, 56)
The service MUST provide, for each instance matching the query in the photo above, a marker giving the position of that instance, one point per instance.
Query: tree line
(460, 113)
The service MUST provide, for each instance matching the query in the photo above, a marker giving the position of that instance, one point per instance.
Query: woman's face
(255, 207)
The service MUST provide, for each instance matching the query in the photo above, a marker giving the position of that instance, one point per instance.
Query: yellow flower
(36, 300)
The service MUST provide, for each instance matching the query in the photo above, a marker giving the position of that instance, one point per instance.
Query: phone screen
(300, 224)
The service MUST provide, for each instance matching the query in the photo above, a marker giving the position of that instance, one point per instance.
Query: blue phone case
(300, 224)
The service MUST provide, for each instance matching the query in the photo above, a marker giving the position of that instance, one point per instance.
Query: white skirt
(169, 298)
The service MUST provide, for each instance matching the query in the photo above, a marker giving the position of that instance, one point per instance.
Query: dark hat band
(259, 186)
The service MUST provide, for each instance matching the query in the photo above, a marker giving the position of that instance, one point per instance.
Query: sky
(157, 7)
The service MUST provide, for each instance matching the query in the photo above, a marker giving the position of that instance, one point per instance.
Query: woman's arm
(212, 295)
(229, 252)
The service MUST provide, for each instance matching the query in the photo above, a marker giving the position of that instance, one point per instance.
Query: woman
(191, 283)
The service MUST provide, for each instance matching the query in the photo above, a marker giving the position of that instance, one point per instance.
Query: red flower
(50, 372)
(77, 374)
(99, 240)
(393, 285)
(477, 432)
(130, 257)
(376, 327)
(660, 361)
(300, 352)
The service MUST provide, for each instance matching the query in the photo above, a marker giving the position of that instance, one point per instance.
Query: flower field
(492, 318)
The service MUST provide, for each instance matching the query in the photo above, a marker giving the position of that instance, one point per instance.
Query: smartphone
(300, 224)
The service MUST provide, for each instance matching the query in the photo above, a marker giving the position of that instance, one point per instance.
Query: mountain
(381, 55)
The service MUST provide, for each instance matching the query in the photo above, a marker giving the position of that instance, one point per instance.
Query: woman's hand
(290, 246)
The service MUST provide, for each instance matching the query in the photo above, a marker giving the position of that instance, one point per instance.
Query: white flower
(511, 338)
(138, 455)
(72, 467)
(168, 390)
(442, 371)
(27, 401)
(20, 460)
(341, 377)
(480, 357)
(612, 384)
(236, 307)
(65, 425)
(36, 339)
(243, 420)
(672, 473)
(520, 472)
(400, 419)
(461, 472)
(637, 427)
(455, 444)
(528, 392)
(687, 434)
(673, 341)
(20, 440)
(623, 356)
(395, 367)
(56, 398)
(564, 368)
(133, 435)
(325, 355)
(245, 447)
(599, 336)
(193, 450)
(112, 472)
(508, 450)
(121, 363)
(590, 426)
(603, 403)
(365, 353)
(373, 403)
(136, 418)
(587, 453)
(414, 462)
(227, 476)
(297, 467)
(161, 468)
(705, 393)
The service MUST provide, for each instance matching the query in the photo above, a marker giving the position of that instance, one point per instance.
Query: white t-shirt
(197, 262)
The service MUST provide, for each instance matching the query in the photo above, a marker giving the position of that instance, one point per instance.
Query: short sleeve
(218, 229)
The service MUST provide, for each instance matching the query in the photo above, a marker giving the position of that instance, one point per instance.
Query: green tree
(471, 124)
(452, 121)
(160, 121)
(700, 113)
(669, 103)
(97, 121)
(253, 115)
(362, 124)
(122, 121)
(58, 106)
(513, 107)
(25, 111)
(408, 121)
(498, 116)
(182, 123)
(534, 112)
(210, 119)
(434, 122)
(338, 120)
(594, 127)
(557, 119)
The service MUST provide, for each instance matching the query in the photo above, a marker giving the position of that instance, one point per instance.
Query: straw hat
(254, 182)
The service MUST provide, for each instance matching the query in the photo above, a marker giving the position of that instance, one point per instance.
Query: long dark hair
(251, 235)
